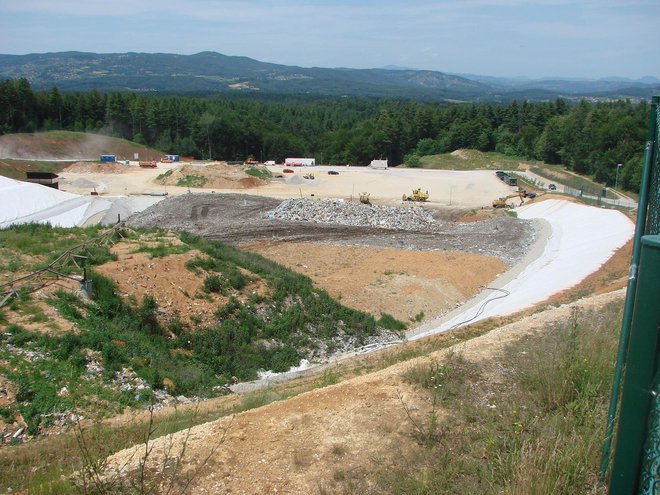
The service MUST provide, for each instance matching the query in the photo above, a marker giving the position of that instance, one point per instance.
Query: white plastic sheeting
(582, 239)
(24, 202)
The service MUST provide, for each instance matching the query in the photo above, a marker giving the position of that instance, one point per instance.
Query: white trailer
(300, 162)
(379, 164)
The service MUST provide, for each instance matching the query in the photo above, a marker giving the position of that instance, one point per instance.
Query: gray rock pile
(339, 211)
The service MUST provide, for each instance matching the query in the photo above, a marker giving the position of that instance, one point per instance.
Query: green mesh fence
(653, 221)
(636, 466)
(649, 482)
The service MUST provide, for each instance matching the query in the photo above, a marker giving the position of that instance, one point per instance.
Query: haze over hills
(211, 72)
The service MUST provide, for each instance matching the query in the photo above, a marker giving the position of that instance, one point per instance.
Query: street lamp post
(616, 179)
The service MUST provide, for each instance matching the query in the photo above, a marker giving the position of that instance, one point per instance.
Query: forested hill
(589, 138)
(212, 73)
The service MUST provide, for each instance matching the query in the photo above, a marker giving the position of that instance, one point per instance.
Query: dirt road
(473, 189)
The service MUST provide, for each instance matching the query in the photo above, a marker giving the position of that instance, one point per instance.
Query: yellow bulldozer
(417, 195)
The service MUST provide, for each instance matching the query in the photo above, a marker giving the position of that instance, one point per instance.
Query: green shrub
(148, 321)
(235, 278)
(164, 175)
(7, 414)
(213, 283)
(388, 322)
(260, 173)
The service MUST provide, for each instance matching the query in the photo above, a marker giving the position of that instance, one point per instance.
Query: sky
(506, 38)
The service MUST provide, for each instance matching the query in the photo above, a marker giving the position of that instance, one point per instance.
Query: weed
(13, 265)
(154, 473)
(327, 378)
(338, 449)
(419, 317)
(162, 249)
(536, 428)
(258, 399)
(192, 181)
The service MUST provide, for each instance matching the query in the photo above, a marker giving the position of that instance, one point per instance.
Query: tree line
(588, 138)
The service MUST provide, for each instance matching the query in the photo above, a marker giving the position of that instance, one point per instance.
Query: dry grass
(529, 421)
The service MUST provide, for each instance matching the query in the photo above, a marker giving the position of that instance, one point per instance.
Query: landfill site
(439, 264)
(301, 211)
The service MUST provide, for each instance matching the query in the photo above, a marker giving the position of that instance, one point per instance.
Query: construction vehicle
(502, 202)
(417, 195)
(364, 198)
(151, 164)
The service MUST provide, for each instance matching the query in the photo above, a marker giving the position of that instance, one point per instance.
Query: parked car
(552, 187)
(333, 172)
(287, 171)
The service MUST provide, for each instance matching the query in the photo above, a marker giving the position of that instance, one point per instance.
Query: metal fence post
(643, 357)
(648, 222)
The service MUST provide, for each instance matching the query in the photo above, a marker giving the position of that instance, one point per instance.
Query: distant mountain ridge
(211, 72)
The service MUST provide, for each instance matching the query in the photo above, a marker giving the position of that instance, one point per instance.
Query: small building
(269, 162)
(108, 158)
(378, 164)
(300, 162)
(44, 178)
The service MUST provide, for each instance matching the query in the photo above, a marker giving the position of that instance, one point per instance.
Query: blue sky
(535, 38)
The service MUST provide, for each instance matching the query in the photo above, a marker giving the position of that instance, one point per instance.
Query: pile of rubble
(339, 211)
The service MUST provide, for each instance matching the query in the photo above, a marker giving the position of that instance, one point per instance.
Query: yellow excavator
(417, 195)
(501, 202)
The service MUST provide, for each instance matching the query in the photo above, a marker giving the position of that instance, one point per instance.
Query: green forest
(588, 138)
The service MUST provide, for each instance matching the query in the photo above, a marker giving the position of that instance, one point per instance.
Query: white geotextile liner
(19, 199)
(23, 202)
(582, 239)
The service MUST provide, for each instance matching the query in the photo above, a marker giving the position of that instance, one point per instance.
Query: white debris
(338, 211)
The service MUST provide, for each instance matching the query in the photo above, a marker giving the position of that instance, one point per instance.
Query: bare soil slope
(66, 145)
(214, 175)
(409, 285)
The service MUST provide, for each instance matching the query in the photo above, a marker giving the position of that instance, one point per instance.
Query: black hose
(481, 309)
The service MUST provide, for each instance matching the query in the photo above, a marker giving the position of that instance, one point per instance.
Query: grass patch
(471, 160)
(535, 428)
(192, 181)
(164, 175)
(327, 378)
(259, 173)
(388, 322)
(162, 249)
(557, 174)
(258, 399)
(46, 242)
